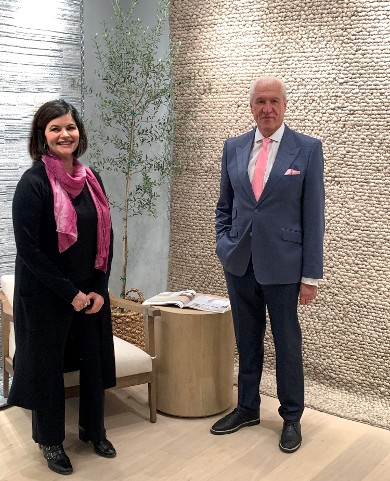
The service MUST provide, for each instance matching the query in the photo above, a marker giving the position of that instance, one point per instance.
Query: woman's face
(62, 137)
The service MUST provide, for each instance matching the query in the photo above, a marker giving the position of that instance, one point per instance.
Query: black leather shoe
(234, 421)
(291, 437)
(103, 447)
(57, 460)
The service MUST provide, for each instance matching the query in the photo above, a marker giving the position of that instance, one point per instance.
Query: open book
(191, 300)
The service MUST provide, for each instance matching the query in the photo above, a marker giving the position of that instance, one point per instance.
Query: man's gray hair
(266, 80)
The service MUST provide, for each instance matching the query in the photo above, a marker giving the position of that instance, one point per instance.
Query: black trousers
(249, 301)
(48, 424)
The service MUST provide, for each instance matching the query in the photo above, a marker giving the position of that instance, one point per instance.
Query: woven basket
(129, 325)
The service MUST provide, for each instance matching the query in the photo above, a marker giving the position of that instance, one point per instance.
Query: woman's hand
(80, 301)
(96, 301)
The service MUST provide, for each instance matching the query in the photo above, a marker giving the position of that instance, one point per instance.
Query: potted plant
(134, 107)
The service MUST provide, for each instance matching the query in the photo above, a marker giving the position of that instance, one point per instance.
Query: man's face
(268, 107)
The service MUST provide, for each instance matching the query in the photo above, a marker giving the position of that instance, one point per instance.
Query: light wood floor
(177, 449)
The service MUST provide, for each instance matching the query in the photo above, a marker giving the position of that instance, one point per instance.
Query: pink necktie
(261, 165)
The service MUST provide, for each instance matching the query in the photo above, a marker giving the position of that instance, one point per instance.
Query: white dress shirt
(273, 148)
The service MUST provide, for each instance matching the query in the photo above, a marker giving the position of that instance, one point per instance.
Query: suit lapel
(243, 152)
(288, 150)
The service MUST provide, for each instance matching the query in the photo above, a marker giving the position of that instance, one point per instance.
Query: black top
(46, 282)
(37, 238)
(77, 262)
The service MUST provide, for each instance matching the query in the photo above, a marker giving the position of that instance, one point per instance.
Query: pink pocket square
(292, 172)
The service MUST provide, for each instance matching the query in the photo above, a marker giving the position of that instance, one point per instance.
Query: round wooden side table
(194, 362)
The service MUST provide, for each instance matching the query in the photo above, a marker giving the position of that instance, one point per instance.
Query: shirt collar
(276, 136)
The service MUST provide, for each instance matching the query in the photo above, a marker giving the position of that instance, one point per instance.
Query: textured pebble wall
(335, 59)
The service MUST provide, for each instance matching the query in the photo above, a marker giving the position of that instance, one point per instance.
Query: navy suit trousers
(249, 301)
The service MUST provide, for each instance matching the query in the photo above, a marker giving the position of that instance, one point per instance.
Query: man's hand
(307, 293)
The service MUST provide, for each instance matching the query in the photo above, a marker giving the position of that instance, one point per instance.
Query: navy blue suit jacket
(284, 230)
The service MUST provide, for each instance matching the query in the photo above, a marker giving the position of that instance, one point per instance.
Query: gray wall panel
(39, 55)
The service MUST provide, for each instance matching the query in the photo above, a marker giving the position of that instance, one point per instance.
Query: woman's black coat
(42, 298)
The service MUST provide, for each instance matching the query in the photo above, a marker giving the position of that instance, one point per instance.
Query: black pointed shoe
(291, 438)
(234, 421)
(103, 447)
(57, 460)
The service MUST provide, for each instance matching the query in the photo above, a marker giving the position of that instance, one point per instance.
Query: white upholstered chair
(133, 365)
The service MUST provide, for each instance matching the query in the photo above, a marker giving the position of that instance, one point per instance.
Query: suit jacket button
(256, 211)
(250, 234)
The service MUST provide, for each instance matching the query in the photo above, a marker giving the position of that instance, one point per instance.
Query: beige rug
(374, 411)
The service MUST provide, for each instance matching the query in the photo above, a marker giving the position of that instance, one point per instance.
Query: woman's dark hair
(45, 114)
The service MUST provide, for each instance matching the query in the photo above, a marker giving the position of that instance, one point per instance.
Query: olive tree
(134, 107)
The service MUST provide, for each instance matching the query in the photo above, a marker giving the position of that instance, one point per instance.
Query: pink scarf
(67, 186)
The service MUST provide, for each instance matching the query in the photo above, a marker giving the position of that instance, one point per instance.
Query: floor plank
(176, 449)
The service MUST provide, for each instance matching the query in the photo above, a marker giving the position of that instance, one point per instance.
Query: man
(269, 228)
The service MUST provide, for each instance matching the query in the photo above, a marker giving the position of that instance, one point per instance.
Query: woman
(62, 317)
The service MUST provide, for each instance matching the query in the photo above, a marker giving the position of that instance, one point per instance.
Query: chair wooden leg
(152, 396)
(5, 383)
